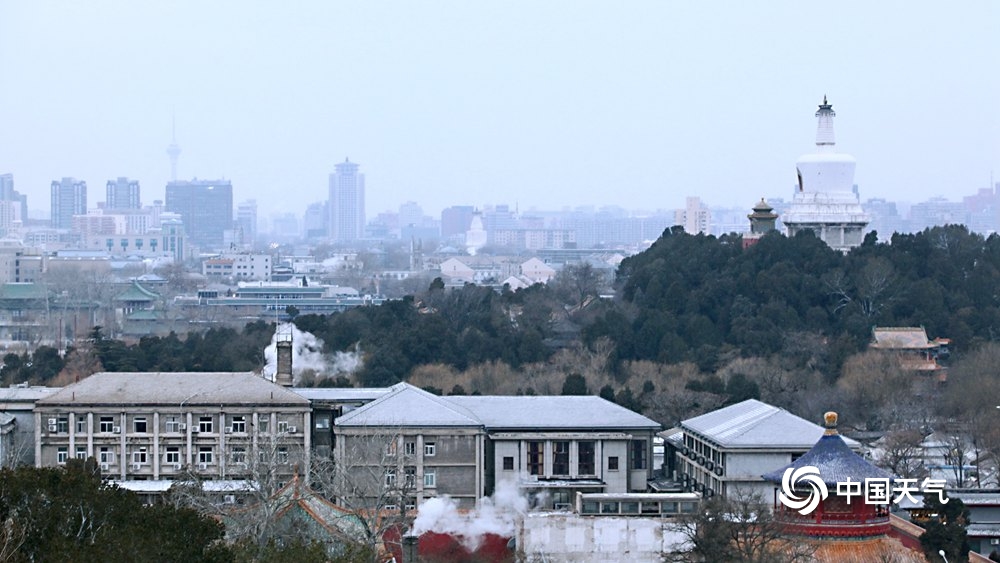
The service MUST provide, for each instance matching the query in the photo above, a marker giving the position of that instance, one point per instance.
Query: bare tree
(903, 454)
(739, 528)
(374, 478)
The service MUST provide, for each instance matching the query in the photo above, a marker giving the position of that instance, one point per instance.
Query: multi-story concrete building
(150, 426)
(246, 222)
(347, 202)
(69, 198)
(122, 194)
(206, 209)
(726, 451)
(241, 266)
(465, 446)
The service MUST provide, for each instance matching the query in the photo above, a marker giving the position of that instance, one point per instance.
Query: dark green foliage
(37, 368)
(217, 349)
(947, 531)
(69, 514)
(699, 298)
(575, 384)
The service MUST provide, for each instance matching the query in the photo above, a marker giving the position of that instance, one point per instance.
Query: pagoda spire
(824, 129)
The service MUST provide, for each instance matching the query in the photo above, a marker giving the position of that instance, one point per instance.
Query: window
(585, 458)
(239, 424)
(62, 425)
(536, 458)
(430, 448)
(638, 454)
(173, 425)
(282, 426)
(390, 447)
(105, 455)
(139, 455)
(205, 454)
(239, 454)
(81, 425)
(410, 448)
(205, 424)
(139, 424)
(322, 423)
(430, 478)
(81, 452)
(263, 423)
(281, 456)
(411, 504)
(508, 463)
(390, 477)
(560, 458)
(613, 463)
(62, 454)
(410, 477)
(173, 454)
(107, 424)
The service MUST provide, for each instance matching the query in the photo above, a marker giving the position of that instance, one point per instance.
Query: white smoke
(307, 354)
(495, 515)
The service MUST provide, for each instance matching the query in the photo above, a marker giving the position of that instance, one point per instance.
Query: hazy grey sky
(541, 103)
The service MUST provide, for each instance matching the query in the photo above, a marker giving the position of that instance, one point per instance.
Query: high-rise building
(246, 221)
(347, 202)
(206, 209)
(122, 194)
(18, 202)
(315, 220)
(69, 198)
(456, 220)
(826, 199)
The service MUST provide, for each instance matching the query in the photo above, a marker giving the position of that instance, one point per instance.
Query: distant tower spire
(824, 129)
(173, 150)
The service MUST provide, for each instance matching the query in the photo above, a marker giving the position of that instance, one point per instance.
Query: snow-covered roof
(755, 424)
(180, 388)
(834, 460)
(406, 405)
(340, 394)
(554, 411)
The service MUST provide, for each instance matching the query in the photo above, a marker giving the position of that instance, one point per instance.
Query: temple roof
(834, 459)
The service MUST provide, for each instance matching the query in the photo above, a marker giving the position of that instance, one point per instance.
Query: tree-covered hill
(701, 298)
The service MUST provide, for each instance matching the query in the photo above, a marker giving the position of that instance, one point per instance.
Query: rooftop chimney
(283, 375)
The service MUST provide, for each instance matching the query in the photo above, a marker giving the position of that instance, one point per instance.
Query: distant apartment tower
(15, 204)
(246, 221)
(69, 198)
(122, 194)
(315, 221)
(206, 209)
(456, 220)
(695, 217)
(347, 202)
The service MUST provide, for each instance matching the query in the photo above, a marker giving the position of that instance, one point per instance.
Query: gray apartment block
(156, 426)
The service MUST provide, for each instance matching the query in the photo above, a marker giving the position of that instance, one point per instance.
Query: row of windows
(410, 448)
(410, 477)
(172, 455)
(237, 424)
(585, 457)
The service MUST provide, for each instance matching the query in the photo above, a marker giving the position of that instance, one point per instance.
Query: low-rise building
(464, 446)
(150, 426)
(726, 451)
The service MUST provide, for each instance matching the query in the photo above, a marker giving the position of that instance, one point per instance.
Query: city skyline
(539, 106)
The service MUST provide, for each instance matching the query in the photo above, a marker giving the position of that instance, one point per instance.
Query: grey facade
(69, 198)
(205, 208)
(347, 203)
(157, 426)
(466, 446)
(122, 194)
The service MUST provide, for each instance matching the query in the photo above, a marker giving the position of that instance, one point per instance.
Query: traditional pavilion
(836, 517)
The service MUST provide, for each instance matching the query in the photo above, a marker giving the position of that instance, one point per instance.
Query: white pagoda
(825, 200)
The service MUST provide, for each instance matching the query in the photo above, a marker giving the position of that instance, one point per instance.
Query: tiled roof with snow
(755, 424)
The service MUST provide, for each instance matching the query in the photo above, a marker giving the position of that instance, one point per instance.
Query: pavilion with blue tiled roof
(839, 515)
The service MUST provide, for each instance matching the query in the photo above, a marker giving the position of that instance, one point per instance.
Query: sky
(542, 105)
